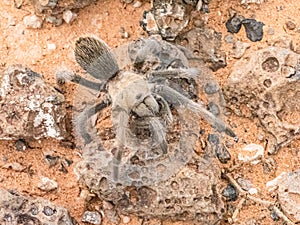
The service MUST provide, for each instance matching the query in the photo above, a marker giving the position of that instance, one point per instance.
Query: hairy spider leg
(82, 120)
(177, 99)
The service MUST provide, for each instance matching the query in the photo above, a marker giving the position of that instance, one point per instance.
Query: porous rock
(18, 209)
(288, 189)
(206, 44)
(265, 84)
(30, 109)
(54, 7)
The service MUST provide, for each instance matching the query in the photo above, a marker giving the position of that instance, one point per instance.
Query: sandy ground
(29, 47)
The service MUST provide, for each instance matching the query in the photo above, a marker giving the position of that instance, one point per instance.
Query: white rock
(250, 153)
(137, 4)
(125, 219)
(33, 21)
(253, 191)
(51, 46)
(47, 184)
(69, 16)
(273, 184)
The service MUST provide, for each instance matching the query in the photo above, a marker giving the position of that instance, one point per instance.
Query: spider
(144, 100)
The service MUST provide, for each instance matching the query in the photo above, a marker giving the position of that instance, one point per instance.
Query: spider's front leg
(177, 99)
(82, 122)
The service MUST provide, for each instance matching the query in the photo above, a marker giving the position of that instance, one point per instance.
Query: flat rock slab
(266, 84)
(18, 209)
(30, 109)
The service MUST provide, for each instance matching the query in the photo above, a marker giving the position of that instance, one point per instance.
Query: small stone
(251, 153)
(137, 4)
(269, 165)
(69, 16)
(125, 219)
(234, 24)
(274, 216)
(260, 137)
(47, 184)
(92, 217)
(245, 184)
(270, 31)
(222, 154)
(14, 166)
(51, 160)
(213, 108)
(253, 191)
(51, 46)
(290, 25)
(211, 88)
(127, 1)
(229, 39)
(125, 35)
(230, 193)
(32, 21)
(55, 21)
(239, 49)
(20, 145)
(254, 29)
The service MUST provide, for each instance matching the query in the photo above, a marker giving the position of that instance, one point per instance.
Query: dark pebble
(222, 154)
(234, 24)
(230, 193)
(274, 216)
(254, 29)
(20, 145)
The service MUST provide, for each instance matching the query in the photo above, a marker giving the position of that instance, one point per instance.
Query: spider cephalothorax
(151, 101)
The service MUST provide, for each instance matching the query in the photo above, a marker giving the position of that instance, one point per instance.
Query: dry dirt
(105, 19)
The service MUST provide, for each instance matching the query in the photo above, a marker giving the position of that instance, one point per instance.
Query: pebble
(20, 145)
(55, 21)
(211, 88)
(230, 193)
(251, 153)
(69, 16)
(245, 184)
(125, 219)
(213, 108)
(254, 29)
(234, 24)
(14, 166)
(47, 184)
(51, 46)
(32, 21)
(229, 39)
(222, 154)
(290, 25)
(137, 4)
(239, 49)
(270, 31)
(92, 217)
(51, 160)
(269, 166)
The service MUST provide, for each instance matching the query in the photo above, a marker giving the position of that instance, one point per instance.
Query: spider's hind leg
(95, 57)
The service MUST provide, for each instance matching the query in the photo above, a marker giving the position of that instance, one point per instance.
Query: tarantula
(144, 100)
